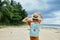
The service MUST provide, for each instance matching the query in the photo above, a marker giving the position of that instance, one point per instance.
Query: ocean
(51, 25)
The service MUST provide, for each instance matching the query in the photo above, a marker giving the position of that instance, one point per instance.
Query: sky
(50, 9)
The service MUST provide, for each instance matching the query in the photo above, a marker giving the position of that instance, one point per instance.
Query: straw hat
(35, 16)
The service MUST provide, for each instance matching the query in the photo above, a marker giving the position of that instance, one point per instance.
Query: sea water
(51, 25)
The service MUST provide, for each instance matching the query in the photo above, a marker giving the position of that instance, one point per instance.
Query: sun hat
(35, 16)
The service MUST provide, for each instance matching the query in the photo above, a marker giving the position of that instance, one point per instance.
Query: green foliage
(11, 12)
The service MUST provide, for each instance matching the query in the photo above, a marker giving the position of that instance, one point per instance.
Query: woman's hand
(41, 16)
(27, 18)
(24, 20)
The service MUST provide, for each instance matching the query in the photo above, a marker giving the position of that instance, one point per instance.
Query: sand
(22, 33)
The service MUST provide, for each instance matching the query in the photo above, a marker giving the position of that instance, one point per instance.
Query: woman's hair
(36, 20)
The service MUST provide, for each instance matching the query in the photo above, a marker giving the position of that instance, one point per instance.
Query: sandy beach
(22, 33)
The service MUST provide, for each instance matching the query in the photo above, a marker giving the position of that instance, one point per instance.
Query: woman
(34, 24)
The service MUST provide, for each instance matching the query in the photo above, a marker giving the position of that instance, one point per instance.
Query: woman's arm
(25, 19)
(41, 16)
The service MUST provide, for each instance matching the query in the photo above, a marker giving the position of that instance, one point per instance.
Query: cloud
(55, 20)
(35, 4)
(57, 14)
(29, 5)
(42, 5)
(48, 8)
(51, 21)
